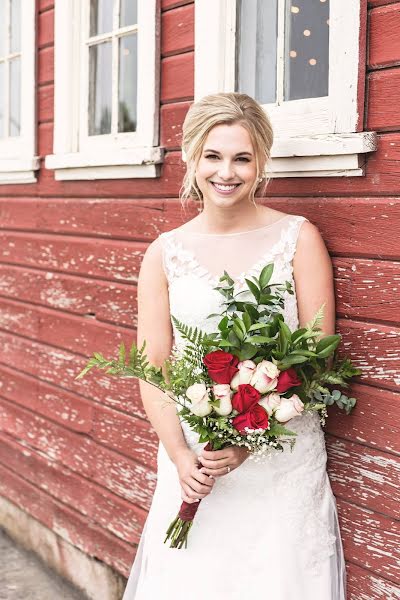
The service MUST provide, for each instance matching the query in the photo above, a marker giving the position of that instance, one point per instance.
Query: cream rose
(289, 408)
(200, 400)
(265, 377)
(270, 402)
(222, 392)
(245, 373)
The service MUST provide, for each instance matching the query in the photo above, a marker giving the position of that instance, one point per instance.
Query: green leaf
(290, 360)
(261, 339)
(254, 289)
(238, 331)
(223, 323)
(327, 345)
(298, 334)
(246, 321)
(247, 351)
(234, 340)
(265, 275)
(258, 326)
(277, 429)
(122, 353)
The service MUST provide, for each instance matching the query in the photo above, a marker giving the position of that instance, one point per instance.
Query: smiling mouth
(222, 187)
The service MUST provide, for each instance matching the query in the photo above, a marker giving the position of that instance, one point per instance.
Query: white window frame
(313, 137)
(18, 160)
(112, 156)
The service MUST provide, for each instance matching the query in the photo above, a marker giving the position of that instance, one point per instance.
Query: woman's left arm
(313, 277)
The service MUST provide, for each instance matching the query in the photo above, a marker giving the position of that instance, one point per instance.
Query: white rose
(289, 408)
(245, 373)
(200, 400)
(270, 402)
(222, 392)
(265, 377)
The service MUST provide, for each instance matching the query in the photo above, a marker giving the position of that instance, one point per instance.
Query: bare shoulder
(310, 238)
(311, 252)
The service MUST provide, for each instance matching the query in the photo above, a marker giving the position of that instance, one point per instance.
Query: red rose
(221, 366)
(255, 418)
(286, 380)
(245, 397)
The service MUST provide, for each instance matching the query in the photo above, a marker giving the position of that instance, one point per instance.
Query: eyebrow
(238, 154)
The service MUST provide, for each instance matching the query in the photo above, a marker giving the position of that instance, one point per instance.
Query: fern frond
(316, 322)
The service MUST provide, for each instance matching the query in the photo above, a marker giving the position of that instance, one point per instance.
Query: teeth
(224, 188)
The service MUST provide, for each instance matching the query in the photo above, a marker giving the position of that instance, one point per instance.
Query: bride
(266, 529)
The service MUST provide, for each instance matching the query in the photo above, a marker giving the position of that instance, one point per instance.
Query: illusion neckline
(236, 232)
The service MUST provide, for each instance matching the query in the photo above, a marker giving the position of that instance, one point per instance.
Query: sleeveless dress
(268, 530)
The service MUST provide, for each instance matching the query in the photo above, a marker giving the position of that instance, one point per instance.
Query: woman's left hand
(217, 463)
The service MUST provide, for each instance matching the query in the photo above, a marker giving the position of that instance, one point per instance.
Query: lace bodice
(193, 264)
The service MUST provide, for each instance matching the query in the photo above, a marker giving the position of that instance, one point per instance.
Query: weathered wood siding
(80, 456)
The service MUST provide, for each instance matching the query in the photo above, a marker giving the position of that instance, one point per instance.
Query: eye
(211, 156)
(243, 158)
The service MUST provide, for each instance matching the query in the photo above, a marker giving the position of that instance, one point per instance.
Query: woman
(264, 529)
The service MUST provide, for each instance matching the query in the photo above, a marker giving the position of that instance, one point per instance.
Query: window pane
(306, 49)
(256, 49)
(15, 97)
(128, 13)
(2, 28)
(127, 97)
(15, 25)
(100, 89)
(101, 16)
(2, 99)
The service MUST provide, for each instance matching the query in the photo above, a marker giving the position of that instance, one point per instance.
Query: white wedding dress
(269, 529)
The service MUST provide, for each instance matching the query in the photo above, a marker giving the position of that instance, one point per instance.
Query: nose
(226, 171)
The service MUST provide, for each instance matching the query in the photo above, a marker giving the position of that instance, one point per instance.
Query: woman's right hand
(194, 485)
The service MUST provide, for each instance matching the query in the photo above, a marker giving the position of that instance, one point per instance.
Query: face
(227, 167)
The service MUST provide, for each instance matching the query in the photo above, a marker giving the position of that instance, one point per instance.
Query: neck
(214, 219)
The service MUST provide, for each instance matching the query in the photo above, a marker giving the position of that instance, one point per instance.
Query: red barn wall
(80, 456)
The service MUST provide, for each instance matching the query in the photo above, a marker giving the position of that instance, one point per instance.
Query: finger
(199, 488)
(215, 464)
(187, 498)
(218, 472)
(215, 454)
(202, 478)
(189, 493)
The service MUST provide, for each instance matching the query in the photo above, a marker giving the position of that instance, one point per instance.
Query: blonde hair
(222, 109)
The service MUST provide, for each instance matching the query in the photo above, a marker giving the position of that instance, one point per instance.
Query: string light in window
(312, 61)
(293, 54)
(307, 32)
(295, 9)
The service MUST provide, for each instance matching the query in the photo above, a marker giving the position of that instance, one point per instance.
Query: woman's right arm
(154, 326)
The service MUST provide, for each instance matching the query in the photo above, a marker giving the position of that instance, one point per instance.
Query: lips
(224, 188)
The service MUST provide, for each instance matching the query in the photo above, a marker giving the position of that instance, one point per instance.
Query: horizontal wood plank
(370, 540)
(364, 585)
(46, 104)
(384, 43)
(93, 299)
(144, 220)
(384, 100)
(170, 4)
(101, 507)
(45, 71)
(171, 118)
(367, 289)
(108, 259)
(177, 30)
(365, 476)
(374, 422)
(67, 523)
(119, 474)
(375, 349)
(46, 28)
(177, 78)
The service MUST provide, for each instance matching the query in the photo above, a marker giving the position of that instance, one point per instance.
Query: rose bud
(245, 398)
(255, 418)
(287, 379)
(265, 377)
(221, 366)
(246, 370)
(222, 392)
(289, 408)
(200, 400)
(270, 402)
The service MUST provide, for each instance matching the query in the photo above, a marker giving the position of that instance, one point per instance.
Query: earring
(260, 179)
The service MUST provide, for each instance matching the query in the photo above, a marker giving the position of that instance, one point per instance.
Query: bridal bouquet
(240, 385)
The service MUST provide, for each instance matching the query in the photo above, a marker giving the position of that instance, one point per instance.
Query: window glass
(2, 29)
(101, 16)
(100, 88)
(15, 22)
(256, 49)
(306, 49)
(127, 93)
(15, 97)
(128, 13)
